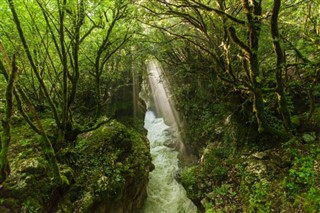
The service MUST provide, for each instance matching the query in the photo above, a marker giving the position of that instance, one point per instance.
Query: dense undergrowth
(242, 170)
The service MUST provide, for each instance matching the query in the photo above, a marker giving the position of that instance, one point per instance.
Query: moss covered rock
(111, 171)
(107, 171)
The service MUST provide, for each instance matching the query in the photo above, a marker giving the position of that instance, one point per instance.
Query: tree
(214, 28)
(57, 51)
(283, 106)
(6, 122)
(111, 42)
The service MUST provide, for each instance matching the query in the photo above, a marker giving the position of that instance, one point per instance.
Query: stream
(163, 122)
(165, 194)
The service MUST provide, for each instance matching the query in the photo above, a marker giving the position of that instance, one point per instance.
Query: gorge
(165, 194)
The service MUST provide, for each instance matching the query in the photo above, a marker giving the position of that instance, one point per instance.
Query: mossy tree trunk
(18, 92)
(59, 108)
(282, 102)
(48, 150)
(6, 120)
(226, 44)
(64, 62)
(253, 10)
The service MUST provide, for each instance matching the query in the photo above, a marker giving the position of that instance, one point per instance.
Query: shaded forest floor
(241, 170)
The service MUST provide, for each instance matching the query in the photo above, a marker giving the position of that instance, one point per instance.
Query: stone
(117, 162)
(110, 174)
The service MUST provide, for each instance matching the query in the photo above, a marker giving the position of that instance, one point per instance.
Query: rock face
(131, 202)
(107, 170)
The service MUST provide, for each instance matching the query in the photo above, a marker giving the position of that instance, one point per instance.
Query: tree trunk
(48, 151)
(64, 61)
(254, 27)
(253, 12)
(6, 137)
(283, 105)
(98, 97)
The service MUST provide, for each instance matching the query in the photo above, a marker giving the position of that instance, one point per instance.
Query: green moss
(112, 158)
(189, 179)
(311, 200)
(101, 167)
(31, 205)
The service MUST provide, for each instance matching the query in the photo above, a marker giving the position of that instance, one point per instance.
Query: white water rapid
(165, 194)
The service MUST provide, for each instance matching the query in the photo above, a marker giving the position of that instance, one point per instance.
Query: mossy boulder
(111, 171)
(106, 171)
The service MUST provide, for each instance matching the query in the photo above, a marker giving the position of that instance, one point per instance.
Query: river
(165, 194)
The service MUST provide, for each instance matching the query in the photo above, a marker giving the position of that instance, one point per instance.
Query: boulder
(109, 174)
(113, 169)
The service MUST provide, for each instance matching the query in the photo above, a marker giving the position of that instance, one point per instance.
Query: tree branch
(219, 12)
(233, 35)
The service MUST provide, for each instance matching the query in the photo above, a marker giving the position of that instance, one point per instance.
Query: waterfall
(165, 194)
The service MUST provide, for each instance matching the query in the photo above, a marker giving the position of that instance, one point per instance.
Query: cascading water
(165, 194)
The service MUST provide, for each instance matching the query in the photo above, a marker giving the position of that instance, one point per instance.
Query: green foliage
(212, 165)
(62, 47)
(194, 45)
(206, 91)
(295, 120)
(302, 170)
(315, 118)
(301, 174)
(221, 199)
(301, 182)
(189, 178)
(316, 91)
(259, 200)
(311, 200)
(31, 206)
(189, 175)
